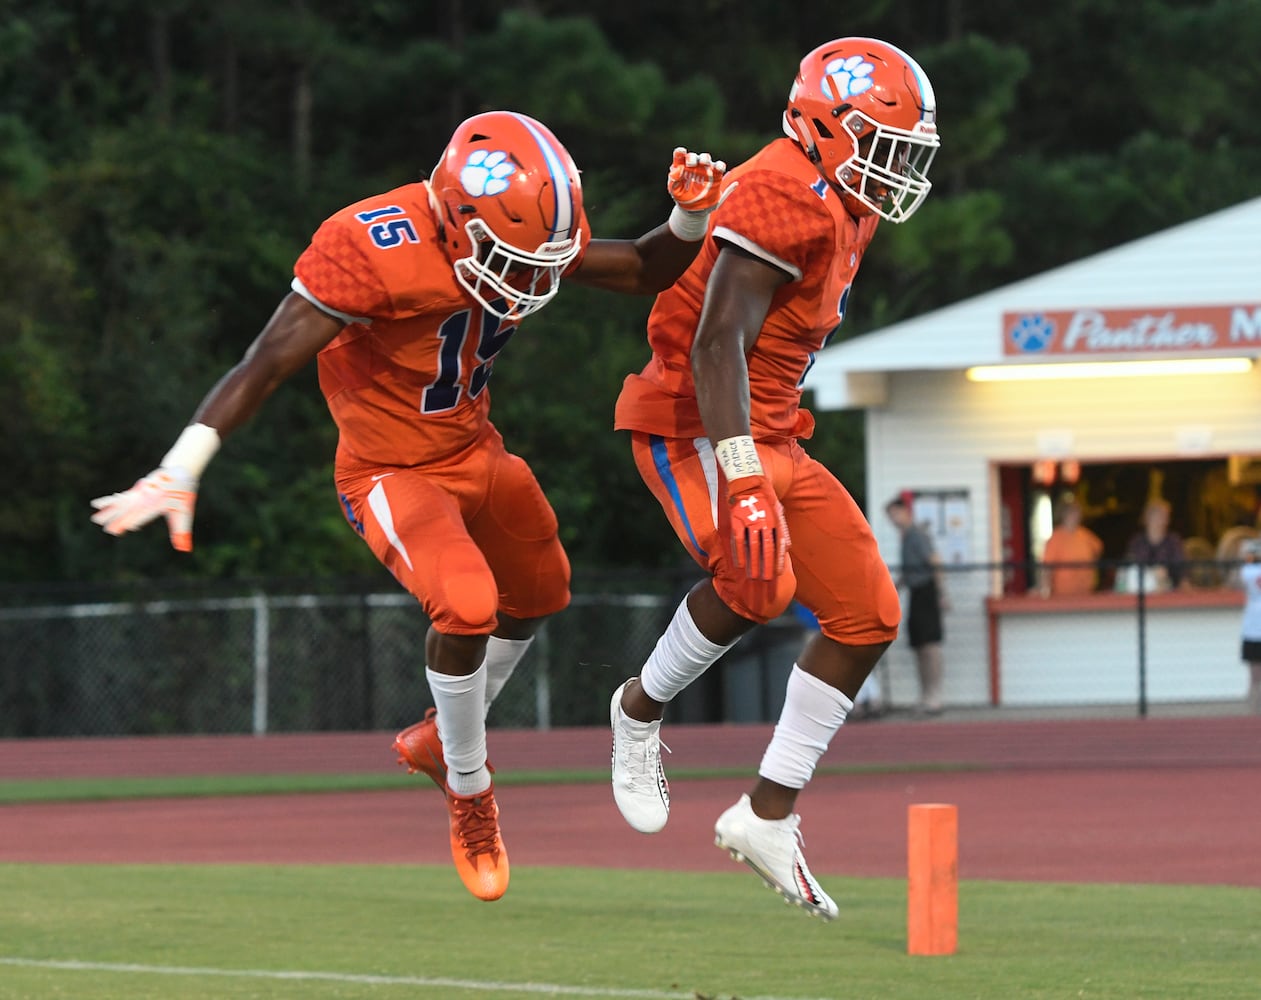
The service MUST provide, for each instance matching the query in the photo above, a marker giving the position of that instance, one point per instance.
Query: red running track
(1140, 800)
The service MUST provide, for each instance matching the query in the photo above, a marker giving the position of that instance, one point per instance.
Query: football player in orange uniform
(716, 424)
(407, 298)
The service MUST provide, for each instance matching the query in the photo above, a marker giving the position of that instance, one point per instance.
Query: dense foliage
(163, 163)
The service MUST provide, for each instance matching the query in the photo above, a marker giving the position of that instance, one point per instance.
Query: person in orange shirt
(716, 429)
(1070, 542)
(407, 299)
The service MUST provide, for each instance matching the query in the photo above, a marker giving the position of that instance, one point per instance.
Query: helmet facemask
(888, 171)
(510, 282)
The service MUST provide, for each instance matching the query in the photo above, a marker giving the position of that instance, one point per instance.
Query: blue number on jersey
(444, 392)
(392, 233)
(840, 318)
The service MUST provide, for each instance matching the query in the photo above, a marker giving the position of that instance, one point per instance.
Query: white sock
(502, 657)
(681, 655)
(462, 728)
(813, 712)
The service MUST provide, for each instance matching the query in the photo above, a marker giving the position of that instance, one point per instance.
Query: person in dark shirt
(920, 574)
(1157, 547)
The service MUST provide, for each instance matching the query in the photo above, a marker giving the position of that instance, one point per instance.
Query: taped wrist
(689, 226)
(193, 450)
(738, 459)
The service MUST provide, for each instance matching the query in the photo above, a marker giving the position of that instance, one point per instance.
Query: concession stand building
(1123, 377)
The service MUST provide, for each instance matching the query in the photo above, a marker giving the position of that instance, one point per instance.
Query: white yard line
(548, 989)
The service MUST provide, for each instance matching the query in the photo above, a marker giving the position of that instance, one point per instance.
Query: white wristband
(193, 450)
(737, 456)
(688, 226)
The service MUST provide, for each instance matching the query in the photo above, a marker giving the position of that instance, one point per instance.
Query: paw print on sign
(1032, 332)
(848, 77)
(486, 173)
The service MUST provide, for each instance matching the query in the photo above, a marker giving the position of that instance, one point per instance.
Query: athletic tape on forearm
(688, 226)
(193, 450)
(737, 457)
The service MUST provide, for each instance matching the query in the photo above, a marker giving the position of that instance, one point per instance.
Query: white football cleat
(640, 788)
(772, 848)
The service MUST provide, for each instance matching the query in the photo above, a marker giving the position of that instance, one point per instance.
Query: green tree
(162, 165)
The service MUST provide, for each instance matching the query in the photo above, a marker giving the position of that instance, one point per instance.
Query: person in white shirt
(1250, 580)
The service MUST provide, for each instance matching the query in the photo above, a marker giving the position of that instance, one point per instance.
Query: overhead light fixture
(1110, 369)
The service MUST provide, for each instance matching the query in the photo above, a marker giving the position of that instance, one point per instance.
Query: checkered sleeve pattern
(781, 216)
(335, 270)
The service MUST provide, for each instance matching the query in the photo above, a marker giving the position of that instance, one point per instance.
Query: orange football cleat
(476, 845)
(420, 749)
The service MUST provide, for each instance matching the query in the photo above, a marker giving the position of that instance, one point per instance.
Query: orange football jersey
(406, 380)
(780, 209)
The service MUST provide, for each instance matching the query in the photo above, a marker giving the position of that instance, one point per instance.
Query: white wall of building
(940, 431)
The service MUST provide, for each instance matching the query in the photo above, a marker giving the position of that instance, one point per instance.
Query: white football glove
(163, 492)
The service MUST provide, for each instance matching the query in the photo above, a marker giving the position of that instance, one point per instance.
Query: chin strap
(796, 130)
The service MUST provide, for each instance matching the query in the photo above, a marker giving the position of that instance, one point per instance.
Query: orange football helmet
(865, 113)
(509, 200)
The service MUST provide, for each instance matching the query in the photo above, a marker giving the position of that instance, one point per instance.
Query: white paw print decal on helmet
(486, 173)
(848, 76)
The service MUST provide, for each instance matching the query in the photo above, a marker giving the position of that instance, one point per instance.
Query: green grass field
(387, 932)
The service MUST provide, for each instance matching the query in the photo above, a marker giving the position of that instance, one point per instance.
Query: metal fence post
(542, 684)
(1141, 604)
(262, 653)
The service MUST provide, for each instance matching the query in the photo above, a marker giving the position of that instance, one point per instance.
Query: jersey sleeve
(334, 274)
(776, 218)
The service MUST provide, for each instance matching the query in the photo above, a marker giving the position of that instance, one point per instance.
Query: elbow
(645, 285)
(704, 358)
(651, 280)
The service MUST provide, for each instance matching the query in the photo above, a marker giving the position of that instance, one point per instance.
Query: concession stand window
(1214, 502)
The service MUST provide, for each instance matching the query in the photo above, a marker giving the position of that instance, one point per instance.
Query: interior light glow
(1110, 369)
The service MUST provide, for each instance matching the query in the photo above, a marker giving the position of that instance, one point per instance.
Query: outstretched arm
(655, 261)
(292, 337)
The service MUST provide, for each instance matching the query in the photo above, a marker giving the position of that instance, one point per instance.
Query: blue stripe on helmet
(562, 199)
(928, 100)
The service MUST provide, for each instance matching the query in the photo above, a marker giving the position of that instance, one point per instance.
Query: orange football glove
(759, 536)
(695, 179)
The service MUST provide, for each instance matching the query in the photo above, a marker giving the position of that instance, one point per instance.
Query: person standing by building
(1074, 545)
(920, 573)
(716, 429)
(407, 298)
(1250, 580)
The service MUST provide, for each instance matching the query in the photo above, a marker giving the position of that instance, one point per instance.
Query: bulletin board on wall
(947, 517)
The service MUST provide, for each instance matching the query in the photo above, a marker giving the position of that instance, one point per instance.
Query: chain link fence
(275, 656)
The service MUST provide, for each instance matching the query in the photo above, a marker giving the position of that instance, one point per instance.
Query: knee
(760, 601)
(467, 603)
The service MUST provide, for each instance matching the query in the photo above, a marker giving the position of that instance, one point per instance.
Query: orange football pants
(469, 536)
(834, 566)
